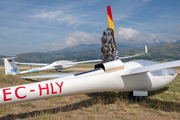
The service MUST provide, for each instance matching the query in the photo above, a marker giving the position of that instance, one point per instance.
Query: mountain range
(158, 50)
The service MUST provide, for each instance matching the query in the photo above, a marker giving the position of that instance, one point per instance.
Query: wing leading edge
(51, 75)
(38, 64)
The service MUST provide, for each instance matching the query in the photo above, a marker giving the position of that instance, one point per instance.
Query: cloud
(73, 39)
(145, 1)
(170, 36)
(47, 15)
(51, 47)
(59, 17)
(123, 35)
(163, 31)
(128, 35)
(79, 37)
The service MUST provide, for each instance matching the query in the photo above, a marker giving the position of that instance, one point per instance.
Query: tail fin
(10, 66)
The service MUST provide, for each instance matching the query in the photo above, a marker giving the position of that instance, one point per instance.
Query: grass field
(162, 104)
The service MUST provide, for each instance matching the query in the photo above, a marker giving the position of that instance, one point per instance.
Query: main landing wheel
(136, 98)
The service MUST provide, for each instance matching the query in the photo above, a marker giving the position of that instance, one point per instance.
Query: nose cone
(161, 81)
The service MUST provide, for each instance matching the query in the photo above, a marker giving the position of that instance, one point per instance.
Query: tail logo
(33, 70)
(14, 70)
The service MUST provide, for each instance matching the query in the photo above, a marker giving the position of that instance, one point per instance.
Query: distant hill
(161, 41)
(1, 56)
(79, 52)
(84, 52)
(85, 47)
(35, 56)
(167, 52)
(78, 48)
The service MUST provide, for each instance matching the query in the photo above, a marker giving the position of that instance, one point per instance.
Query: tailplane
(10, 66)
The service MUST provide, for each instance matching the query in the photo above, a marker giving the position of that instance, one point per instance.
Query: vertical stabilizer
(10, 66)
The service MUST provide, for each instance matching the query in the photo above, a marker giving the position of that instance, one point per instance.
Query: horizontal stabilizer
(154, 67)
(51, 76)
(10, 58)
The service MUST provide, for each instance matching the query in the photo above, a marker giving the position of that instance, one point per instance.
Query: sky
(46, 25)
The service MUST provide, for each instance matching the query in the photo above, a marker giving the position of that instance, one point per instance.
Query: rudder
(10, 66)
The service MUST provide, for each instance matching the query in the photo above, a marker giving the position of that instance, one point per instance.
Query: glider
(139, 76)
(12, 69)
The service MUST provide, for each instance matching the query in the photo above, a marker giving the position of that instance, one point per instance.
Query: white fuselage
(96, 80)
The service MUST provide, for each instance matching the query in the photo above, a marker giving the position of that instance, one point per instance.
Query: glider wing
(35, 64)
(146, 51)
(152, 68)
(50, 76)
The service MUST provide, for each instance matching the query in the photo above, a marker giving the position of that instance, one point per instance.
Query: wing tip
(146, 50)
(109, 12)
